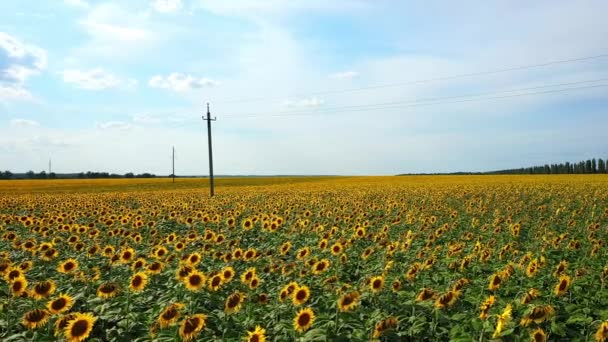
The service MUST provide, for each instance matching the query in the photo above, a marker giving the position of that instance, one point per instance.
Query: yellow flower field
(458, 258)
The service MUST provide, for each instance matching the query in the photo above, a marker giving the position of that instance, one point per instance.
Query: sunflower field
(461, 258)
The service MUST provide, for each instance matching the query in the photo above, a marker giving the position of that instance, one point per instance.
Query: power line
(433, 100)
(436, 79)
(416, 104)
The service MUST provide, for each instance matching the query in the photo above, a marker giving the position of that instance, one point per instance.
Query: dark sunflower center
(69, 266)
(233, 301)
(137, 281)
(562, 285)
(36, 316)
(301, 295)
(169, 314)
(108, 288)
(227, 274)
(191, 325)
(215, 281)
(377, 283)
(42, 288)
(254, 338)
(58, 304)
(348, 299)
(79, 328)
(13, 274)
(304, 319)
(17, 286)
(195, 280)
(155, 267)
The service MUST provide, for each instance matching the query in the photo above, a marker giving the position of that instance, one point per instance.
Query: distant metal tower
(173, 164)
(208, 119)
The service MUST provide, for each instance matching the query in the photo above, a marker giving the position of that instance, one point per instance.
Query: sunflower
(537, 314)
(191, 326)
(503, 319)
(285, 247)
(530, 296)
(247, 224)
(336, 248)
(194, 259)
(376, 284)
(35, 318)
(254, 283)
(107, 290)
(248, 275)
(495, 282)
(13, 273)
(303, 253)
(257, 335)
(234, 302)
(62, 303)
(68, 266)
(195, 280)
(300, 295)
(155, 267)
(447, 299)
(26, 265)
(383, 326)
(43, 289)
(183, 272)
(215, 282)
(79, 328)
(561, 267)
(250, 254)
(348, 301)
(170, 315)
(320, 266)
(49, 254)
(227, 274)
(138, 282)
(138, 264)
(485, 307)
(303, 320)
(532, 268)
(18, 286)
(62, 322)
(563, 285)
(601, 334)
(538, 335)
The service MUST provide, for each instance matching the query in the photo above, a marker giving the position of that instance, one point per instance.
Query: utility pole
(49, 166)
(208, 119)
(173, 165)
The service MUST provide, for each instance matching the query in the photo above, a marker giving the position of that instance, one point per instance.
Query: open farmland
(278, 259)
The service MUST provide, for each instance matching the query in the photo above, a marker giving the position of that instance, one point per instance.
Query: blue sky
(112, 85)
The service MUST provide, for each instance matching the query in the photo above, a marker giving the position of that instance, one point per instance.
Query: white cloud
(96, 79)
(180, 82)
(304, 103)
(14, 92)
(76, 3)
(24, 123)
(344, 75)
(146, 119)
(18, 62)
(106, 32)
(114, 125)
(167, 6)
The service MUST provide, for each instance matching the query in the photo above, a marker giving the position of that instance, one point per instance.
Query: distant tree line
(589, 166)
(82, 175)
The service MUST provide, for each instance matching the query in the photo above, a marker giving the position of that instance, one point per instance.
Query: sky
(301, 86)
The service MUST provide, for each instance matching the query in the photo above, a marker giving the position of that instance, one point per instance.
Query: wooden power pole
(208, 119)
